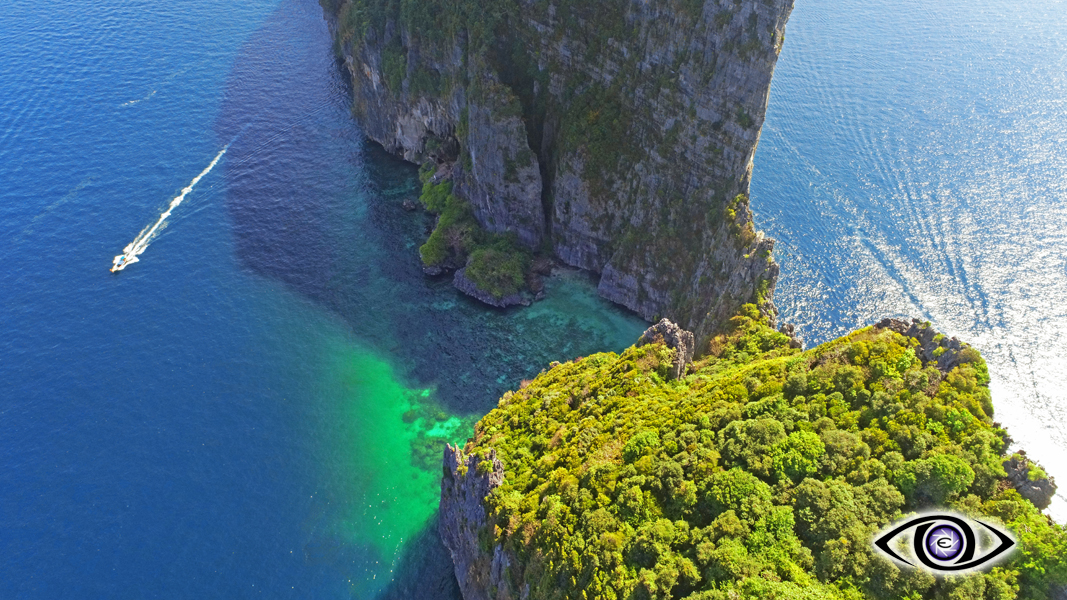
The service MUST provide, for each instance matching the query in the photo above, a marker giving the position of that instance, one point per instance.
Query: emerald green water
(403, 362)
(386, 431)
(390, 496)
(259, 406)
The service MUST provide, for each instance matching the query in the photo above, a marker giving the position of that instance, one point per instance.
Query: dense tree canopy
(763, 472)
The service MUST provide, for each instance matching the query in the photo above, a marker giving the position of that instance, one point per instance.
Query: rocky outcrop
(467, 481)
(541, 521)
(945, 353)
(620, 136)
(948, 353)
(503, 183)
(674, 337)
(1039, 490)
(465, 285)
(790, 331)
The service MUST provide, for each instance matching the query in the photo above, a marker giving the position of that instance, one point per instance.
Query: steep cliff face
(467, 481)
(618, 135)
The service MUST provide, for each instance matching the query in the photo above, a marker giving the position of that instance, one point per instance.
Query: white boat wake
(140, 243)
(132, 102)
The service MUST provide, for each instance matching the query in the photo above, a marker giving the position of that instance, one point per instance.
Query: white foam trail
(250, 154)
(140, 243)
(132, 102)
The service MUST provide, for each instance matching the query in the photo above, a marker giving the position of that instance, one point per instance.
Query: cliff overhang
(616, 137)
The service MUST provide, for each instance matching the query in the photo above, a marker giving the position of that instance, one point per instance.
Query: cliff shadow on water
(424, 570)
(616, 137)
(318, 208)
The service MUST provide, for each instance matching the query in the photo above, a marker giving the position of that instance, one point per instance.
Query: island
(616, 137)
(759, 470)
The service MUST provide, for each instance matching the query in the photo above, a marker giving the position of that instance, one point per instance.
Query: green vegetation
(743, 231)
(499, 267)
(426, 82)
(598, 122)
(763, 473)
(394, 65)
(607, 131)
(431, 22)
(457, 231)
(743, 118)
(1036, 473)
(495, 262)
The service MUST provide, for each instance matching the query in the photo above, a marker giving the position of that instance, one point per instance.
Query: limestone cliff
(619, 136)
(675, 338)
(467, 481)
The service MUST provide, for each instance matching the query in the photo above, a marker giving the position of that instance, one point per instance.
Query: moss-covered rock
(490, 267)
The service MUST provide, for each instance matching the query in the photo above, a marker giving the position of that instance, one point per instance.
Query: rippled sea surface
(258, 406)
(914, 163)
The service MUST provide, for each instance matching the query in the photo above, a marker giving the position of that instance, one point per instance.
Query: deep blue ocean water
(226, 418)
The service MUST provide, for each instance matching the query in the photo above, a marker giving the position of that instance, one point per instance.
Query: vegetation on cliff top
(762, 473)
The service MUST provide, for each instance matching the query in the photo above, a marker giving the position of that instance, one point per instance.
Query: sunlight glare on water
(914, 163)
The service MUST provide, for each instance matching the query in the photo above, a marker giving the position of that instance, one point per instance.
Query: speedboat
(122, 261)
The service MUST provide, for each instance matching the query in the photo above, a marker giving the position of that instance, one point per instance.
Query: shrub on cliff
(496, 263)
(456, 233)
(763, 473)
(499, 268)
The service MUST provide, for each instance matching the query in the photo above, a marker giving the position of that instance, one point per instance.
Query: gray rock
(535, 283)
(409, 205)
(504, 182)
(463, 520)
(433, 270)
(623, 154)
(674, 337)
(951, 355)
(465, 285)
(791, 332)
(542, 265)
(1039, 492)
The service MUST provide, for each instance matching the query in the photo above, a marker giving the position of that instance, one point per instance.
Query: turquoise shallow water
(257, 407)
(914, 163)
(254, 408)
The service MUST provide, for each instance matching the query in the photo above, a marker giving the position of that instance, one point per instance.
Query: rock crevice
(618, 138)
